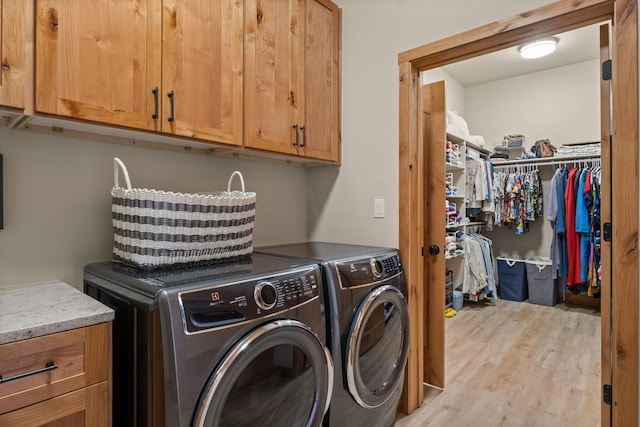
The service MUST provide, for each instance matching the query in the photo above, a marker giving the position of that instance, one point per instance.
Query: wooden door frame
(545, 21)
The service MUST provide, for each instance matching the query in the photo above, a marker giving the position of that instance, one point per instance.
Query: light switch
(378, 208)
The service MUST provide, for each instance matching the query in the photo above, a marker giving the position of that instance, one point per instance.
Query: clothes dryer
(368, 324)
(232, 344)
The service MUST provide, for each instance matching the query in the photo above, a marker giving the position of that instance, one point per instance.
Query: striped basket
(153, 229)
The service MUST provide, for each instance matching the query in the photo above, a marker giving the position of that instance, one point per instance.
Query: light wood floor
(517, 364)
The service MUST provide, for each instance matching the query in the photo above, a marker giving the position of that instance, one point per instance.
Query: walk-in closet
(521, 180)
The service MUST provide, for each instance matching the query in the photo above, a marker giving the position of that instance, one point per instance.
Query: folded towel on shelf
(570, 150)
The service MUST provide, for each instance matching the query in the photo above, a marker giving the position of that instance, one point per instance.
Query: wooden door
(433, 141)
(98, 60)
(271, 97)
(605, 217)
(12, 53)
(202, 69)
(320, 53)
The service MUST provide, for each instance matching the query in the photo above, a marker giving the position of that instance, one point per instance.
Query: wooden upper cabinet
(13, 42)
(263, 73)
(322, 42)
(98, 60)
(270, 75)
(292, 80)
(202, 68)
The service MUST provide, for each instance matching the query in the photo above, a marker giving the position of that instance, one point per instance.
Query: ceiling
(573, 47)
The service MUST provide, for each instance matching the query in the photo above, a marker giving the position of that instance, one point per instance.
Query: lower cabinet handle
(171, 99)
(295, 144)
(304, 137)
(48, 367)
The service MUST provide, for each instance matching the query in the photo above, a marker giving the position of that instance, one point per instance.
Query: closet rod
(547, 161)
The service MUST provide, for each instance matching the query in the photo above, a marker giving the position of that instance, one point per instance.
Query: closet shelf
(454, 226)
(465, 224)
(455, 255)
(454, 167)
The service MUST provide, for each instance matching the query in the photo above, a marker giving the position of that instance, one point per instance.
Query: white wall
(374, 32)
(57, 203)
(562, 104)
(454, 92)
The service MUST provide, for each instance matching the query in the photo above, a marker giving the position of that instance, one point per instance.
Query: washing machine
(241, 343)
(368, 326)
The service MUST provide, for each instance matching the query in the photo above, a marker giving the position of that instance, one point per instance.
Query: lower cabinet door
(85, 407)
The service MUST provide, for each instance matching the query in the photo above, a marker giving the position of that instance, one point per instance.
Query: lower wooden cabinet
(76, 392)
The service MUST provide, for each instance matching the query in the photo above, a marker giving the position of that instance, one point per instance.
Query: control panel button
(376, 268)
(265, 295)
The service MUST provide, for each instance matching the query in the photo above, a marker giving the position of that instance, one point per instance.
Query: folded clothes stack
(571, 150)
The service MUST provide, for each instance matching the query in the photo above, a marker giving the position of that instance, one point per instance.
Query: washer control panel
(366, 271)
(223, 305)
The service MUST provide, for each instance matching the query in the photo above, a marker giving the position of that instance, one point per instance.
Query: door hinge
(422, 251)
(606, 232)
(607, 394)
(606, 70)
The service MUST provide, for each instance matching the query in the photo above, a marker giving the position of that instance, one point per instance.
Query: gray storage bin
(542, 289)
(457, 300)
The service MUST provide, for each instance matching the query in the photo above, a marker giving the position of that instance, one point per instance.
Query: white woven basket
(153, 228)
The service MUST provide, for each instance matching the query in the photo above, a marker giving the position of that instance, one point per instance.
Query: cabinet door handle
(49, 366)
(296, 142)
(154, 91)
(304, 137)
(171, 102)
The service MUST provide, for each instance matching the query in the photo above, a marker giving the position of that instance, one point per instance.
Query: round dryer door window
(279, 375)
(377, 346)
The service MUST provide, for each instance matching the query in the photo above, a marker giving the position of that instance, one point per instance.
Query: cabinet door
(271, 100)
(98, 60)
(321, 56)
(12, 53)
(202, 67)
(85, 407)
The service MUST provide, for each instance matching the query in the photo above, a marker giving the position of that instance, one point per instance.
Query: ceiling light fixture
(538, 48)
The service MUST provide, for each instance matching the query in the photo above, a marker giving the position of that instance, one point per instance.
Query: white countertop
(33, 310)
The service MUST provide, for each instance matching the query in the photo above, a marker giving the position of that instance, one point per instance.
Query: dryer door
(377, 346)
(280, 374)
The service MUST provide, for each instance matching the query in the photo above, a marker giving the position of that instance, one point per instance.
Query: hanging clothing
(573, 238)
(518, 199)
(575, 218)
(551, 216)
(560, 225)
(478, 271)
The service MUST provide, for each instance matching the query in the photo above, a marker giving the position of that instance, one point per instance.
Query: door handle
(297, 141)
(154, 91)
(171, 101)
(434, 250)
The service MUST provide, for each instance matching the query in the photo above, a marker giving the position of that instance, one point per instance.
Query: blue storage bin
(512, 279)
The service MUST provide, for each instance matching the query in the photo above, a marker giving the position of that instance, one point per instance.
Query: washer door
(377, 346)
(280, 374)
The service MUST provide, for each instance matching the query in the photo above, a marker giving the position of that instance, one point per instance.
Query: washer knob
(376, 268)
(265, 295)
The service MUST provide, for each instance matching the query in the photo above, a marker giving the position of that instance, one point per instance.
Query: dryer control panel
(219, 306)
(366, 271)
